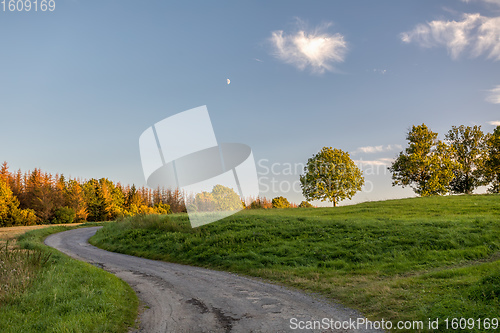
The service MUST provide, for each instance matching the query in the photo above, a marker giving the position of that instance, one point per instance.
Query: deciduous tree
(331, 175)
(226, 198)
(426, 165)
(469, 151)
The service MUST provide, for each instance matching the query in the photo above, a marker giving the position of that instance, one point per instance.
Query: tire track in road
(181, 298)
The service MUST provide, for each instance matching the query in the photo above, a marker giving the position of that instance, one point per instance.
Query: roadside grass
(408, 259)
(50, 292)
(17, 269)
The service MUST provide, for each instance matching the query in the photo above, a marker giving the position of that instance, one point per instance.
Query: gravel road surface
(182, 298)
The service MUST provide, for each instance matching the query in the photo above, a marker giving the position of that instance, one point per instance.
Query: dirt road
(182, 298)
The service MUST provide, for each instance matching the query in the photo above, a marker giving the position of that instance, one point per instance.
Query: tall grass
(18, 268)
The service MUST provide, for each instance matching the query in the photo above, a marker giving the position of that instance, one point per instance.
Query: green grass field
(408, 259)
(61, 294)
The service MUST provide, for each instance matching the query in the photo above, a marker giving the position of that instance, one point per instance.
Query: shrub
(26, 217)
(161, 208)
(64, 215)
(280, 202)
(305, 204)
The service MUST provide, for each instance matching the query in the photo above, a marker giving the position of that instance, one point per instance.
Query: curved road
(182, 298)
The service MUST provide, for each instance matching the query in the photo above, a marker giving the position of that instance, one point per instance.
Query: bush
(64, 215)
(161, 208)
(280, 202)
(305, 204)
(26, 217)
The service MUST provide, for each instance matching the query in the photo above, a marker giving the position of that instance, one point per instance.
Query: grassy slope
(68, 296)
(407, 259)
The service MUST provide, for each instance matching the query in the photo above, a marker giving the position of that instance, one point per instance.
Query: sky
(79, 85)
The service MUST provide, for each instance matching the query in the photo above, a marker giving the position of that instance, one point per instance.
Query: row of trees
(466, 159)
(36, 197)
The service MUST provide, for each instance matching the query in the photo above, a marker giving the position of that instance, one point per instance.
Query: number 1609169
(27, 5)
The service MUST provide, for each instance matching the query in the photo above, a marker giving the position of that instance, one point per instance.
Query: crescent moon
(228, 81)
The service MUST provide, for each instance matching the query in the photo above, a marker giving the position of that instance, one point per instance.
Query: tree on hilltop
(426, 165)
(331, 175)
(469, 151)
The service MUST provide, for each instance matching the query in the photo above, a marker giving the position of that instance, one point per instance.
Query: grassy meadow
(407, 259)
(43, 290)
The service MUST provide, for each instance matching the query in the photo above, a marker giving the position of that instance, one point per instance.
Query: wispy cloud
(381, 71)
(494, 122)
(380, 161)
(377, 149)
(475, 34)
(494, 95)
(315, 49)
(495, 2)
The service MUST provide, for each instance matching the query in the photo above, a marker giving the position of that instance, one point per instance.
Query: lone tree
(426, 165)
(469, 151)
(331, 175)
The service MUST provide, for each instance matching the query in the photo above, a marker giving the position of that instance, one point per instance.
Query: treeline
(37, 197)
(466, 159)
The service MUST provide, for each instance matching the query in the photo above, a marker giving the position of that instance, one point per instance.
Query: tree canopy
(469, 151)
(221, 198)
(426, 165)
(331, 175)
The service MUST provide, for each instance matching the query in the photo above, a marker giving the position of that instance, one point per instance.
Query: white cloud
(494, 122)
(377, 149)
(495, 2)
(474, 34)
(494, 96)
(315, 49)
(380, 161)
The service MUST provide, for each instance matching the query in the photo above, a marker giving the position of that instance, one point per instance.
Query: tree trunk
(334, 202)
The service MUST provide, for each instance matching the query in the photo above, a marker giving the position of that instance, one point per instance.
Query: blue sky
(79, 85)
